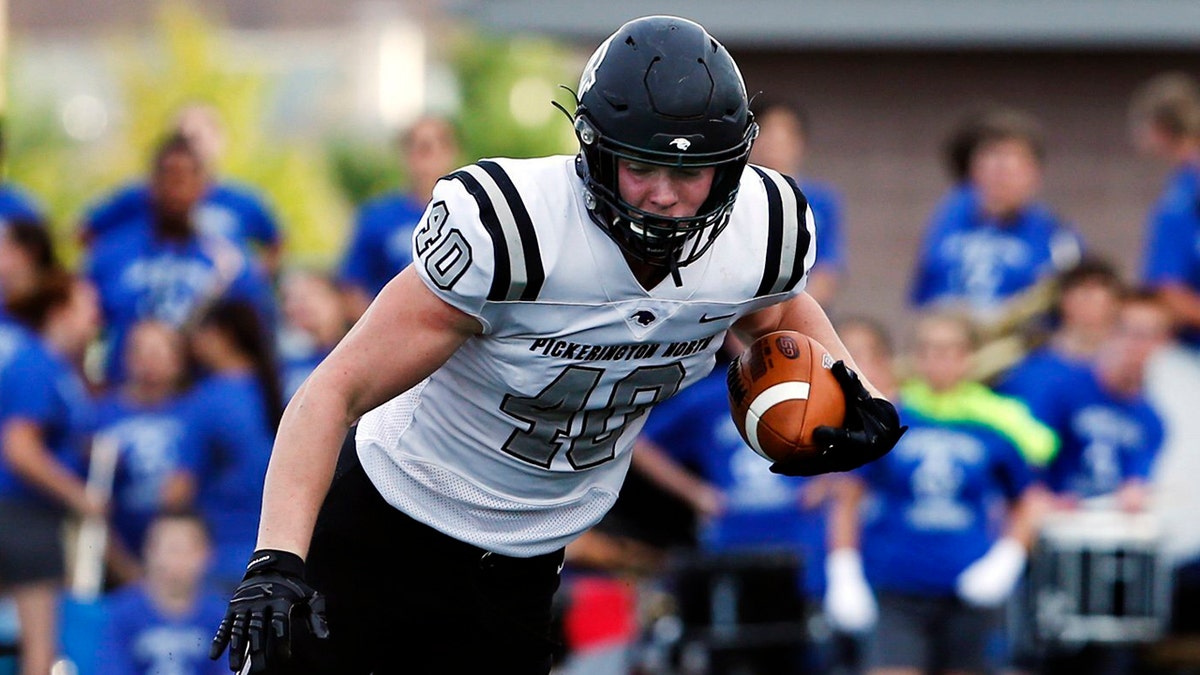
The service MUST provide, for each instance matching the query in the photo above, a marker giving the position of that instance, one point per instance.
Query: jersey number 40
(556, 417)
(451, 254)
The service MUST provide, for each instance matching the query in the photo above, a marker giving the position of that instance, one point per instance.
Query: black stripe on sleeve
(774, 234)
(502, 276)
(535, 275)
(803, 237)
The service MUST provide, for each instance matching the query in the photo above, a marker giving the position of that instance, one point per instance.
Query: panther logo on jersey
(643, 317)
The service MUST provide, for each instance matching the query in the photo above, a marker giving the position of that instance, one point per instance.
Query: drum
(1099, 577)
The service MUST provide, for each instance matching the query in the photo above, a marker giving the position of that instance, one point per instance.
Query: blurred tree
(505, 86)
(184, 61)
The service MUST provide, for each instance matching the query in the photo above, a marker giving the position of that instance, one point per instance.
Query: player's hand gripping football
(267, 609)
(871, 429)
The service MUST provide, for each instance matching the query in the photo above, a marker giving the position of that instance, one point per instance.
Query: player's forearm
(311, 433)
(805, 315)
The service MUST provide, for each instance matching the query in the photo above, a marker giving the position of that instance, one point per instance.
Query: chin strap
(673, 266)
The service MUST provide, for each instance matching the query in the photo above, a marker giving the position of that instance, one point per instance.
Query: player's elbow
(325, 395)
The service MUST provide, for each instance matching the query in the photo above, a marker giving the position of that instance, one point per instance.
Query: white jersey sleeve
(791, 235)
(476, 245)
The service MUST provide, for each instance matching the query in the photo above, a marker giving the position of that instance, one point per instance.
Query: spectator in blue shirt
(162, 625)
(1084, 314)
(1110, 434)
(233, 410)
(165, 269)
(314, 322)
(226, 209)
(991, 239)
(147, 418)
(45, 422)
(783, 145)
(929, 546)
(381, 244)
(1165, 115)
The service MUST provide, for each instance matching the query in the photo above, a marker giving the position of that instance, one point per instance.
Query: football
(780, 389)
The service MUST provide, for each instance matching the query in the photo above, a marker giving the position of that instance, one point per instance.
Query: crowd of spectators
(183, 333)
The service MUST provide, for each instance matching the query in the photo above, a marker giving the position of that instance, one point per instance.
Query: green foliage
(507, 85)
(183, 62)
(363, 170)
(505, 89)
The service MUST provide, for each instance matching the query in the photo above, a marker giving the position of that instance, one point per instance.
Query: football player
(502, 377)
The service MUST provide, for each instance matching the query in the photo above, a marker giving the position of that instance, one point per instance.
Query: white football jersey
(522, 439)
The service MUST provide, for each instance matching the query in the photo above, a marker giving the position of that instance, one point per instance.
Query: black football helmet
(662, 91)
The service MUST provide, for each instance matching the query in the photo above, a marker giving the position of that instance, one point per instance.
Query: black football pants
(405, 598)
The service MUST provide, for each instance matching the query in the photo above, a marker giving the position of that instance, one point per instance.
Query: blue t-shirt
(140, 275)
(138, 639)
(1041, 373)
(381, 245)
(826, 205)
(16, 204)
(1172, 252)
(763, 509)
(150, 440)
(39, 386)
(976, 260)
(928, 516)
(1105, 439)
(227, 448)
(232, 211)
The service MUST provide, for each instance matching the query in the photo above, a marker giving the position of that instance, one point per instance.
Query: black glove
(267, 607)
(871, 429)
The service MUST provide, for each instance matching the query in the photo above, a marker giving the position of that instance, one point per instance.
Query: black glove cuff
(888, 409)
(270, 560)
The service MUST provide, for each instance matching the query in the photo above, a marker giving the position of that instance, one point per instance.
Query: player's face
(1007, 174)
(664, 191)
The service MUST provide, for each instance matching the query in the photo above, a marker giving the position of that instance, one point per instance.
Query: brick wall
(879, 120)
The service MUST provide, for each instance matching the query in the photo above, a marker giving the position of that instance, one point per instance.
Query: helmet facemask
(662, 92)
(649, 237)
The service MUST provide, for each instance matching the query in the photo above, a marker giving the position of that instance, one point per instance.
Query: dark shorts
(931, 633)
(405, 598)
(31, 547)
